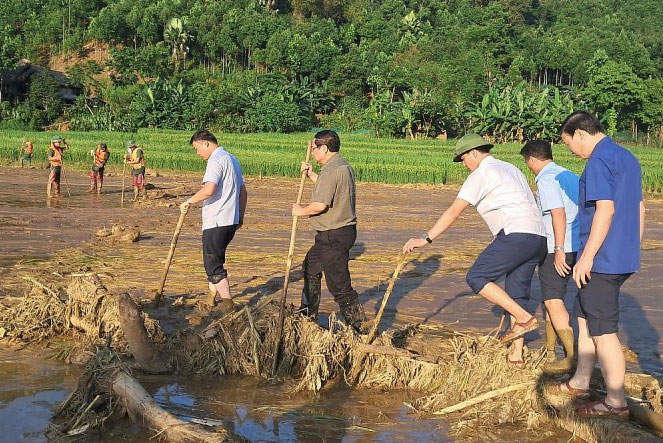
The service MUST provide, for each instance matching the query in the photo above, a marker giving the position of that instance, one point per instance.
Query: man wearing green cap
(54, 152)
(27, 152)
(500, 193)
(136, 158)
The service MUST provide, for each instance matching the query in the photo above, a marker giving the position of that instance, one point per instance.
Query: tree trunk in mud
(145, 412)
(143, 350)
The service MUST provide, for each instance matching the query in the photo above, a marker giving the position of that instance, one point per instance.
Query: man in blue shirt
(612, 216)
(557, 198)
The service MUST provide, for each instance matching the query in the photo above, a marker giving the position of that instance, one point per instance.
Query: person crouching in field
(136, 158)
(612, 220)
(500, 193)
(557, 198)
(28, 147)
(332, 214)
(54, 153)
(224, 200)
(100, 155)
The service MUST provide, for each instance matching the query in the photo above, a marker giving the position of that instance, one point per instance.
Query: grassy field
(374, 160)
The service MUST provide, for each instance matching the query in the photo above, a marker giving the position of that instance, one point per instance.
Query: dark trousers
(330, 254)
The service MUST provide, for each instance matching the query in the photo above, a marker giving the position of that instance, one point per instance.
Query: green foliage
(270, 154)
(615, 86)
(519, 113)
(416, 68)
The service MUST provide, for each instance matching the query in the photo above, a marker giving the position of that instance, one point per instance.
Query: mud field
(41, 238)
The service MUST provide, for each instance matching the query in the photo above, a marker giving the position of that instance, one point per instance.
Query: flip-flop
(515, 363)
(571, 392)
(528, 326)
(589, 410)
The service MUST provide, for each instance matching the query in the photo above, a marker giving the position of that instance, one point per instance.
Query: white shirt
(222, 207)
(503, 198)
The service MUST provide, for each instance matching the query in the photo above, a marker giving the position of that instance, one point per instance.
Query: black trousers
(330, 254)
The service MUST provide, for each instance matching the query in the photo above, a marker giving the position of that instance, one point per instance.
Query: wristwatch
(426, 237)
(558, 248)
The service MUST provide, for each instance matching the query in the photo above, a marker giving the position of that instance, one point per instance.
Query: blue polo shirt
(612, 173)
(557, 187)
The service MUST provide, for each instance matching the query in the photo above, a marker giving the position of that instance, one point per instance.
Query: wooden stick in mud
(483, 397)
(64, 176)
(392, 282)
(146, 412)
(288, 266)
(124, 170)
(169, 259)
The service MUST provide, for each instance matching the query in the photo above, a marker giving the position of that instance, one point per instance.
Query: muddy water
(431, 288)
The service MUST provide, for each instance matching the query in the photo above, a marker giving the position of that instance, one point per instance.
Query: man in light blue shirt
(557, 198)
(224, 201)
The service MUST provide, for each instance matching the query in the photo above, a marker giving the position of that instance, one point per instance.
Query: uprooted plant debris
(462, 376)
(118, 234)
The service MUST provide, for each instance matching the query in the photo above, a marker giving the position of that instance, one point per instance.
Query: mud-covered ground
(38, 237)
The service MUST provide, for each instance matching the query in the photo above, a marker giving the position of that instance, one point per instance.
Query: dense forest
(511, 69)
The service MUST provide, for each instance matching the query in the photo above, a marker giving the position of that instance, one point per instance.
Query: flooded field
(38, 236)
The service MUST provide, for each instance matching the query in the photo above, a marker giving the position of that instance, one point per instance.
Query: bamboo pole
(169, 259)
(64, 176)
(288, 266)
(124, 170)
(483, 397)
(399, 266)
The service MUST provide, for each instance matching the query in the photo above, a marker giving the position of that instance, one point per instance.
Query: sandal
(569, 391)
(516, 363)
(589, 410)
(526, 327)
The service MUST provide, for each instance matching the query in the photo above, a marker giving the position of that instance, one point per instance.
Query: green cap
(56, 139)
(131, 144)
(467, 143)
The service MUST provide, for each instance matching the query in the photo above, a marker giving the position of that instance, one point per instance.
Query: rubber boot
(355, 316)
(226, 306)
(567, 363)
(551, 341)
(311, 294)
(211, 298)
(135, 199)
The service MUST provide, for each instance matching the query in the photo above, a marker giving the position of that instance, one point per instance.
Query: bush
(272, 113)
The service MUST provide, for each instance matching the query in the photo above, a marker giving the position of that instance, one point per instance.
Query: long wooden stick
(63, 174)
(392, 282)
(288, 266)
(169, 259)
(124, 170)
(483, 397)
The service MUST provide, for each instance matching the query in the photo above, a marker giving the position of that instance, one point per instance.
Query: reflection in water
(262, 412)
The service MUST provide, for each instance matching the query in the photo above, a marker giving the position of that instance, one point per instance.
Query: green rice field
(395, 161)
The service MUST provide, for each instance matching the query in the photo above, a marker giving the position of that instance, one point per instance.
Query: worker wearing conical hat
(135, 157)
(27, 152)
(101, 155)
(54, 153)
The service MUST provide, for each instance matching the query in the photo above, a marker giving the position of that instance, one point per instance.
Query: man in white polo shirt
(224, 201)
(501, 195)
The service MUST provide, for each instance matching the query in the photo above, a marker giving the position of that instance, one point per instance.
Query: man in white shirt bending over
(500, 193)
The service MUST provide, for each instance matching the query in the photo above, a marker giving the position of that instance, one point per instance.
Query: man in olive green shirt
(332, 215)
